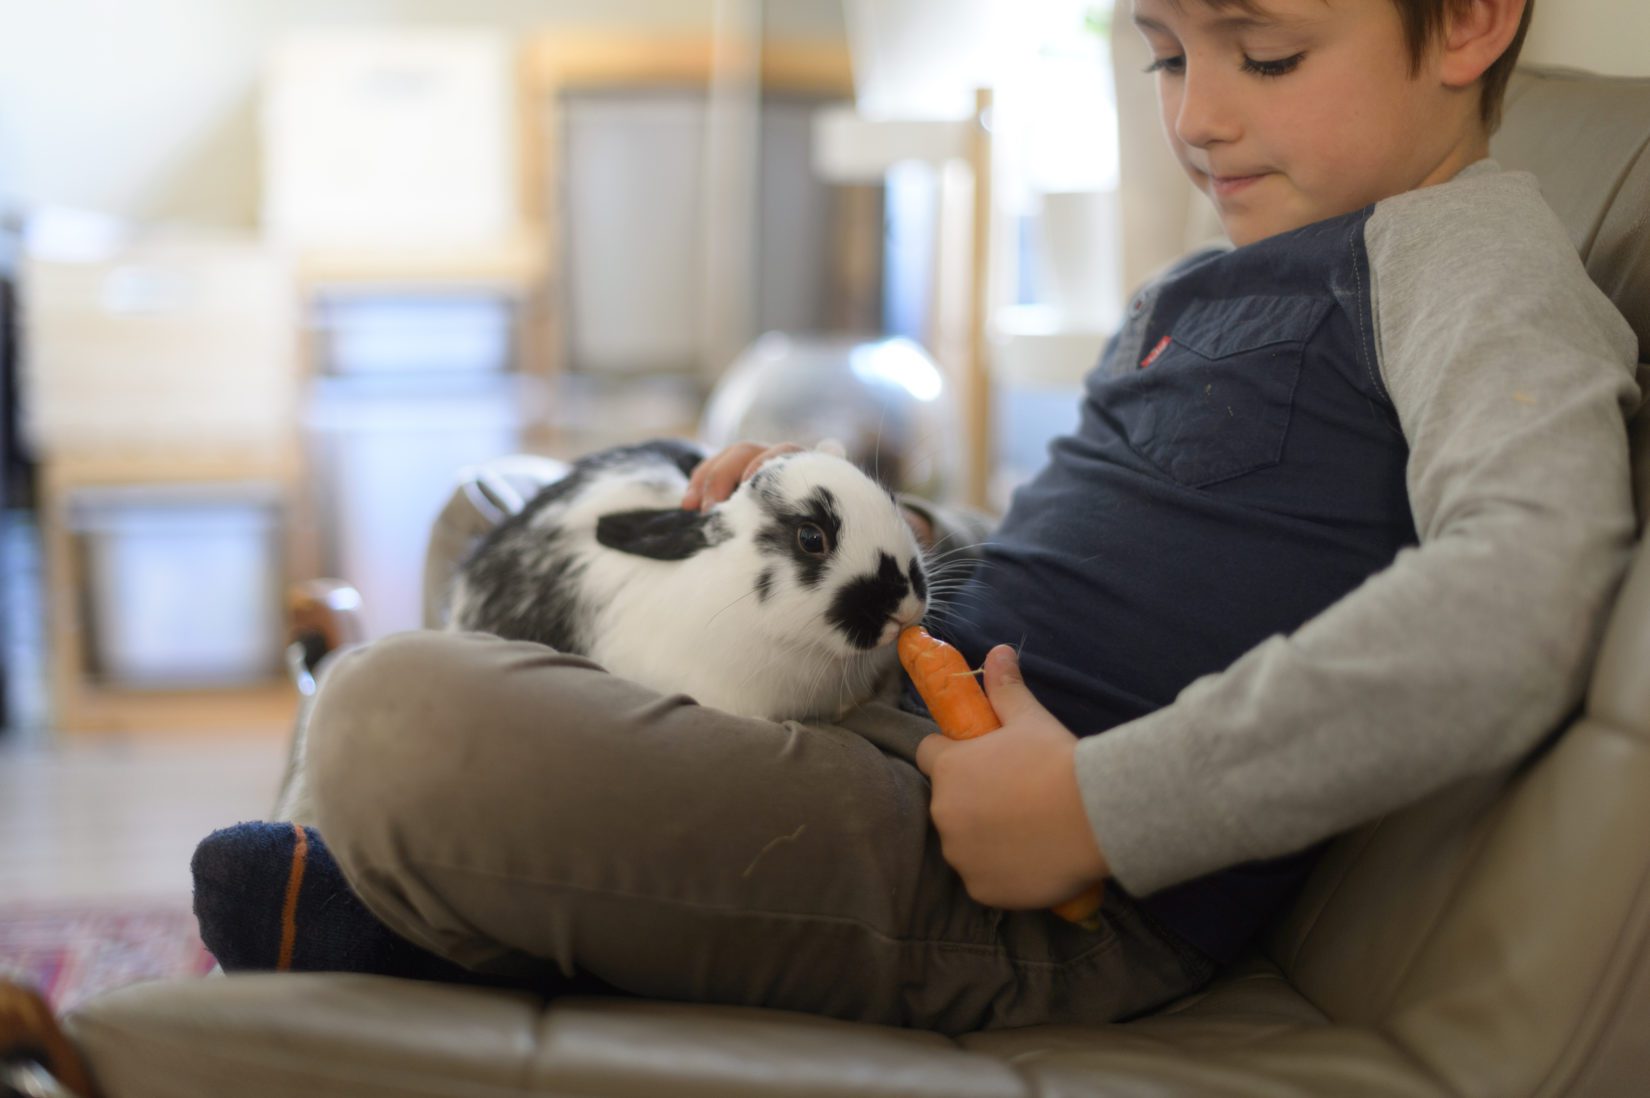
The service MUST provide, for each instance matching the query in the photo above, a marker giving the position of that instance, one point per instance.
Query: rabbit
(782, 601)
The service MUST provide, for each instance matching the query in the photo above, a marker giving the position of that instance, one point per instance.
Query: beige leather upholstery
(1493, 940)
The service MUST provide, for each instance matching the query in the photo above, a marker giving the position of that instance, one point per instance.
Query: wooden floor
(107, 819)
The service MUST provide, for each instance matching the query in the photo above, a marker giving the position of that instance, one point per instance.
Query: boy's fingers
(696, 482)
(714, 479)
(929, 750)
(729, 471)
(702, 483)
(762, 458)
(1005, 686)
(690, 498)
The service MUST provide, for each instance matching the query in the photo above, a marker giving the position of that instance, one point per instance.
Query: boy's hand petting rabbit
(715, 479)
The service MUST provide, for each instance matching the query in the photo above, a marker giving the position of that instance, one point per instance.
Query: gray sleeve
(1510, 373)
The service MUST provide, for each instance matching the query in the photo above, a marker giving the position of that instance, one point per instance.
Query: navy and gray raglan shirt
(1339, 527)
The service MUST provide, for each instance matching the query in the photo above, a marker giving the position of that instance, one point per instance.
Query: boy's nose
(1205, 114)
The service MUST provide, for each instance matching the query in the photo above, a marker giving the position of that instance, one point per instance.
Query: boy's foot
(269, 896)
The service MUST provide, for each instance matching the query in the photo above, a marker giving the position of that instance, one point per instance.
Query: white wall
(1608, 36)
(147, 108)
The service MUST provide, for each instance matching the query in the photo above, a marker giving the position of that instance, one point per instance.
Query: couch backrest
(1500, 930)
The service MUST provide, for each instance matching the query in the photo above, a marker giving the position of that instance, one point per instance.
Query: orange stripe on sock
(289, 910)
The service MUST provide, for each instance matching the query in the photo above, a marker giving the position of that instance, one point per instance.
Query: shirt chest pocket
(1214, 398)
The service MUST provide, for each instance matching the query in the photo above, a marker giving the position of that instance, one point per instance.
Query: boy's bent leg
(505, 805)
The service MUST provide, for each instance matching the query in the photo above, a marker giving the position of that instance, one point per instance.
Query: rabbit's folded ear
(668, 533)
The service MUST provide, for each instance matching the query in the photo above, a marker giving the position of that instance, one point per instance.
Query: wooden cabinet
(82, 700)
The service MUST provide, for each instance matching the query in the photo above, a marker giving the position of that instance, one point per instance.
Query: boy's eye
(1279, 67)
(1176, 65)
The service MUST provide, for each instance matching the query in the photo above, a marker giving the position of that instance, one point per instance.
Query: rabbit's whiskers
(724, 609)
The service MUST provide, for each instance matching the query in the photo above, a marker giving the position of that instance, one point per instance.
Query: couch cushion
(640, 1047)
(331, 1035)
(1587, 139)
(257, 1036)
(1249, 1033)
(327, 1036)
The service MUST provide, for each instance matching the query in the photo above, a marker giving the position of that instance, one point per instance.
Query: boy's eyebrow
(1225, 22)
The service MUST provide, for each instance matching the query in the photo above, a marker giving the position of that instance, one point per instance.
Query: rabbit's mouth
(897, 622)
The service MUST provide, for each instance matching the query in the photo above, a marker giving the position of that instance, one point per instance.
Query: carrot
(1082, 909)
(947, 686)
(961, 709)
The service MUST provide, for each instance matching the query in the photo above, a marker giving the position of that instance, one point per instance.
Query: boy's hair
(1424, 21)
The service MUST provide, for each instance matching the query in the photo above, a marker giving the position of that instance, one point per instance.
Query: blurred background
(277, 273)
(274, 273)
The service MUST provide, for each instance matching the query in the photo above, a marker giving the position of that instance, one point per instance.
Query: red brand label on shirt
(1162, 345)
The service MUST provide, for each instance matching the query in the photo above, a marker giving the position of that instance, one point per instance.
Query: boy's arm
(952, 533)
(1510, 373)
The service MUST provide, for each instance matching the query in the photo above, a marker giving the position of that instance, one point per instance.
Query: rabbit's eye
(812, 540)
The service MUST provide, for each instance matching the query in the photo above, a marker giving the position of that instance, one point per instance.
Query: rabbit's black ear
(669, 533)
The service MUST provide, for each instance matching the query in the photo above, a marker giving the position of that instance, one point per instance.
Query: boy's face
(1304, 110)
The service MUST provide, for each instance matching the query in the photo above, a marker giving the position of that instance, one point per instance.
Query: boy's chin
(1251, 226)
(1249, 229)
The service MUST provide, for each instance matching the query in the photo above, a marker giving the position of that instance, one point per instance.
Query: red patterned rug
(73, 952)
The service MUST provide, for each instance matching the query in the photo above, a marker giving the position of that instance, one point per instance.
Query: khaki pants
(524, 813)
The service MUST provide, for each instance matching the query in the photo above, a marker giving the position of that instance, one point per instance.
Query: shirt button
(1137, 306)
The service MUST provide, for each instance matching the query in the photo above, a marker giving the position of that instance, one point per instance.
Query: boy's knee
(386, 721)
(418, 729)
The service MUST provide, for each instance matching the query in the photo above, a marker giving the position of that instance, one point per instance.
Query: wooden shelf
(516, 264)
(81, 702)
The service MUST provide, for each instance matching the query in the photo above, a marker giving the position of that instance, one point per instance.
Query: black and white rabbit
(782, 601)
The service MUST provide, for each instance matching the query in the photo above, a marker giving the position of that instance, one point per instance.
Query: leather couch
(1492, 940)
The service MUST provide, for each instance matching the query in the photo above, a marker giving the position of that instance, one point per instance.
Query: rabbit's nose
(910, 612)
(893, 625)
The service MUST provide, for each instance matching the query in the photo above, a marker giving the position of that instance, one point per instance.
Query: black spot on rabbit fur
(520, 592)
(521, 584)
(779, 537)
(863, 607)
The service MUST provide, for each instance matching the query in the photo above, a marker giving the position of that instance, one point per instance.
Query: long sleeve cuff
(1127, 778)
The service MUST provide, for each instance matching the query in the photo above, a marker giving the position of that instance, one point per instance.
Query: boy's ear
(1476, 34)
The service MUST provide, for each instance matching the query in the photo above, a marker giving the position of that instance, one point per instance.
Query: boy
(1338, 528)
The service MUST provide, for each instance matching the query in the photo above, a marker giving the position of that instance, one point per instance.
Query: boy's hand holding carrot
(1007, 806)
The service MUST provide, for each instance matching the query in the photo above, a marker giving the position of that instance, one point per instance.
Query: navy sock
(267, 899)
(269, 896)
